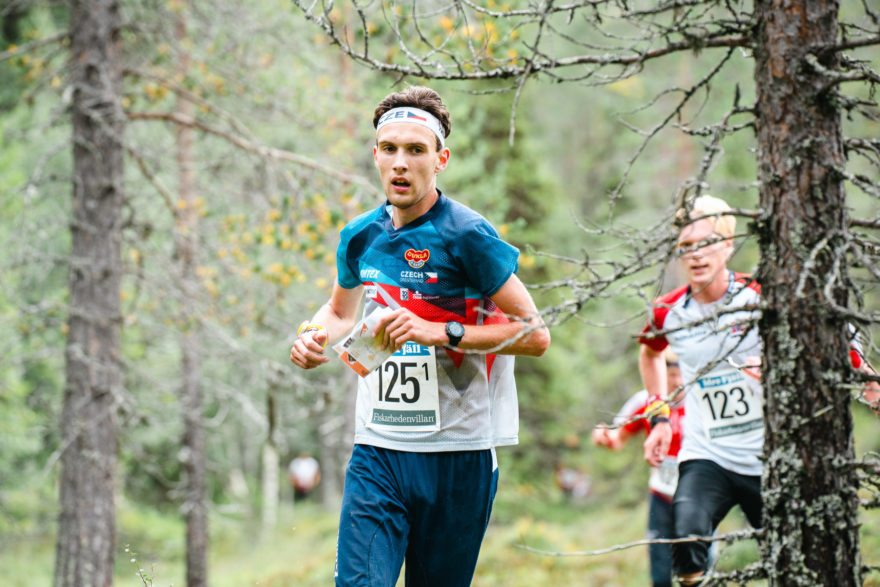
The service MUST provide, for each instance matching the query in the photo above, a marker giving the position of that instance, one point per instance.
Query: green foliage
(32, 320)
(267, 231)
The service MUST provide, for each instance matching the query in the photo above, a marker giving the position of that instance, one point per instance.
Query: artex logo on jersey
(417, 259)
(370, 274)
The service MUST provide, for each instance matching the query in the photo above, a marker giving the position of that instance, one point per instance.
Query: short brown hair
(416, 97)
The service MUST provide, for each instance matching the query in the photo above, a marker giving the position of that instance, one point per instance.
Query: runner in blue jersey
(438, 282)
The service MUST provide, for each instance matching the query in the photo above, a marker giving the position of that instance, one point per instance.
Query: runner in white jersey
(711, 324)
(439, 282)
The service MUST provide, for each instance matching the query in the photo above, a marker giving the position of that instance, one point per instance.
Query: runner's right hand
(657, 444)
(307, 351)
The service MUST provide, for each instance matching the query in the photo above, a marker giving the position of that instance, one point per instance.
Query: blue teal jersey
(442, 266)
(450, 255)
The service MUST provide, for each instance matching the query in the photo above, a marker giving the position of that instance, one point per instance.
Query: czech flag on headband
(432, 277)
(416, 116)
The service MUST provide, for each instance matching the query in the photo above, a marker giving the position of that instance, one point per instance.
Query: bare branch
(421, 68)
(729, 537)
(856, 43)
(166, 195)
(837, 77)
(253, 147)
(17, 50)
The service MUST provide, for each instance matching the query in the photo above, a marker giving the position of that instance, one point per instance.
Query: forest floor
(300, 550)
(537, 537)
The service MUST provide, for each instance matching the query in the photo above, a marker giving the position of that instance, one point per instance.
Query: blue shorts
(431, 509)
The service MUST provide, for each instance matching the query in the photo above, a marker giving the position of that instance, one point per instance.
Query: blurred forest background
(281, 159)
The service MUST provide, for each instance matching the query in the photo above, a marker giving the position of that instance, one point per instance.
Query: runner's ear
(442, 160)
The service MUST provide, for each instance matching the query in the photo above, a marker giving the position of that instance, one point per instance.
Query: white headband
(414, 115)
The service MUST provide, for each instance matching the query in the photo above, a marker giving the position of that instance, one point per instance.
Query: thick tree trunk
(810, 498)
(87, 527)
(187, 232)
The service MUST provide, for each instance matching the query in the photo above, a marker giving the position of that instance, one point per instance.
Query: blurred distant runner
(572, 482)
(304, 474)
(423, 474)
(632, 419)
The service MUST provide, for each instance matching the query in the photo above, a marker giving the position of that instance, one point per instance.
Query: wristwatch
(454, 331)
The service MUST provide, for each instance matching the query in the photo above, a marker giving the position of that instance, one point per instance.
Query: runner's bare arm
(610, 438)
(652, 366)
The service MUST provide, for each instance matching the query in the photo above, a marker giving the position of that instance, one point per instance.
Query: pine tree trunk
(271, 466)
(87, 527)
(187, 233)
(330, 440)
(811, 515)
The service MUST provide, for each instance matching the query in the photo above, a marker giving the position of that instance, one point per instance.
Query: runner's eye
(686, 249)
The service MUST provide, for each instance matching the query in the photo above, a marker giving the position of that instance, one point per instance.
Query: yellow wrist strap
(307, 326)
(658, 407)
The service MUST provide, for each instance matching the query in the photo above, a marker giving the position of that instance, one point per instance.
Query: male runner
(422, 476)
(711, 324)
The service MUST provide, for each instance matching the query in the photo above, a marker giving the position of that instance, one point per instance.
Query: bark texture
(87, 530)
(195, 505)
(271, 464)
(811, 507)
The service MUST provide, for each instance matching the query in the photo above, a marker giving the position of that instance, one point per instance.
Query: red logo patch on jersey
(417, 259)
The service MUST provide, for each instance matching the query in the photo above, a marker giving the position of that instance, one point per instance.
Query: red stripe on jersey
(659, 313)
(428, 311)
(747, 280)
(434, 313)
(855, 358)
(666, 301)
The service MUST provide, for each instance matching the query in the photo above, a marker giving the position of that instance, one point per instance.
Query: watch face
(454, 329)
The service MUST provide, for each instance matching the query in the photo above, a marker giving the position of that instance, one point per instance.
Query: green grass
(300, 551)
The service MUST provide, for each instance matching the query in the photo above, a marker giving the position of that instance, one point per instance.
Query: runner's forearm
(511, 338)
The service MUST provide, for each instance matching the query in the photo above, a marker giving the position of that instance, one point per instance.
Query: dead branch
(254, 147)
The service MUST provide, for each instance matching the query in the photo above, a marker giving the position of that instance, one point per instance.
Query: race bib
(404, 392)
(728, 404)
(664, 478)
